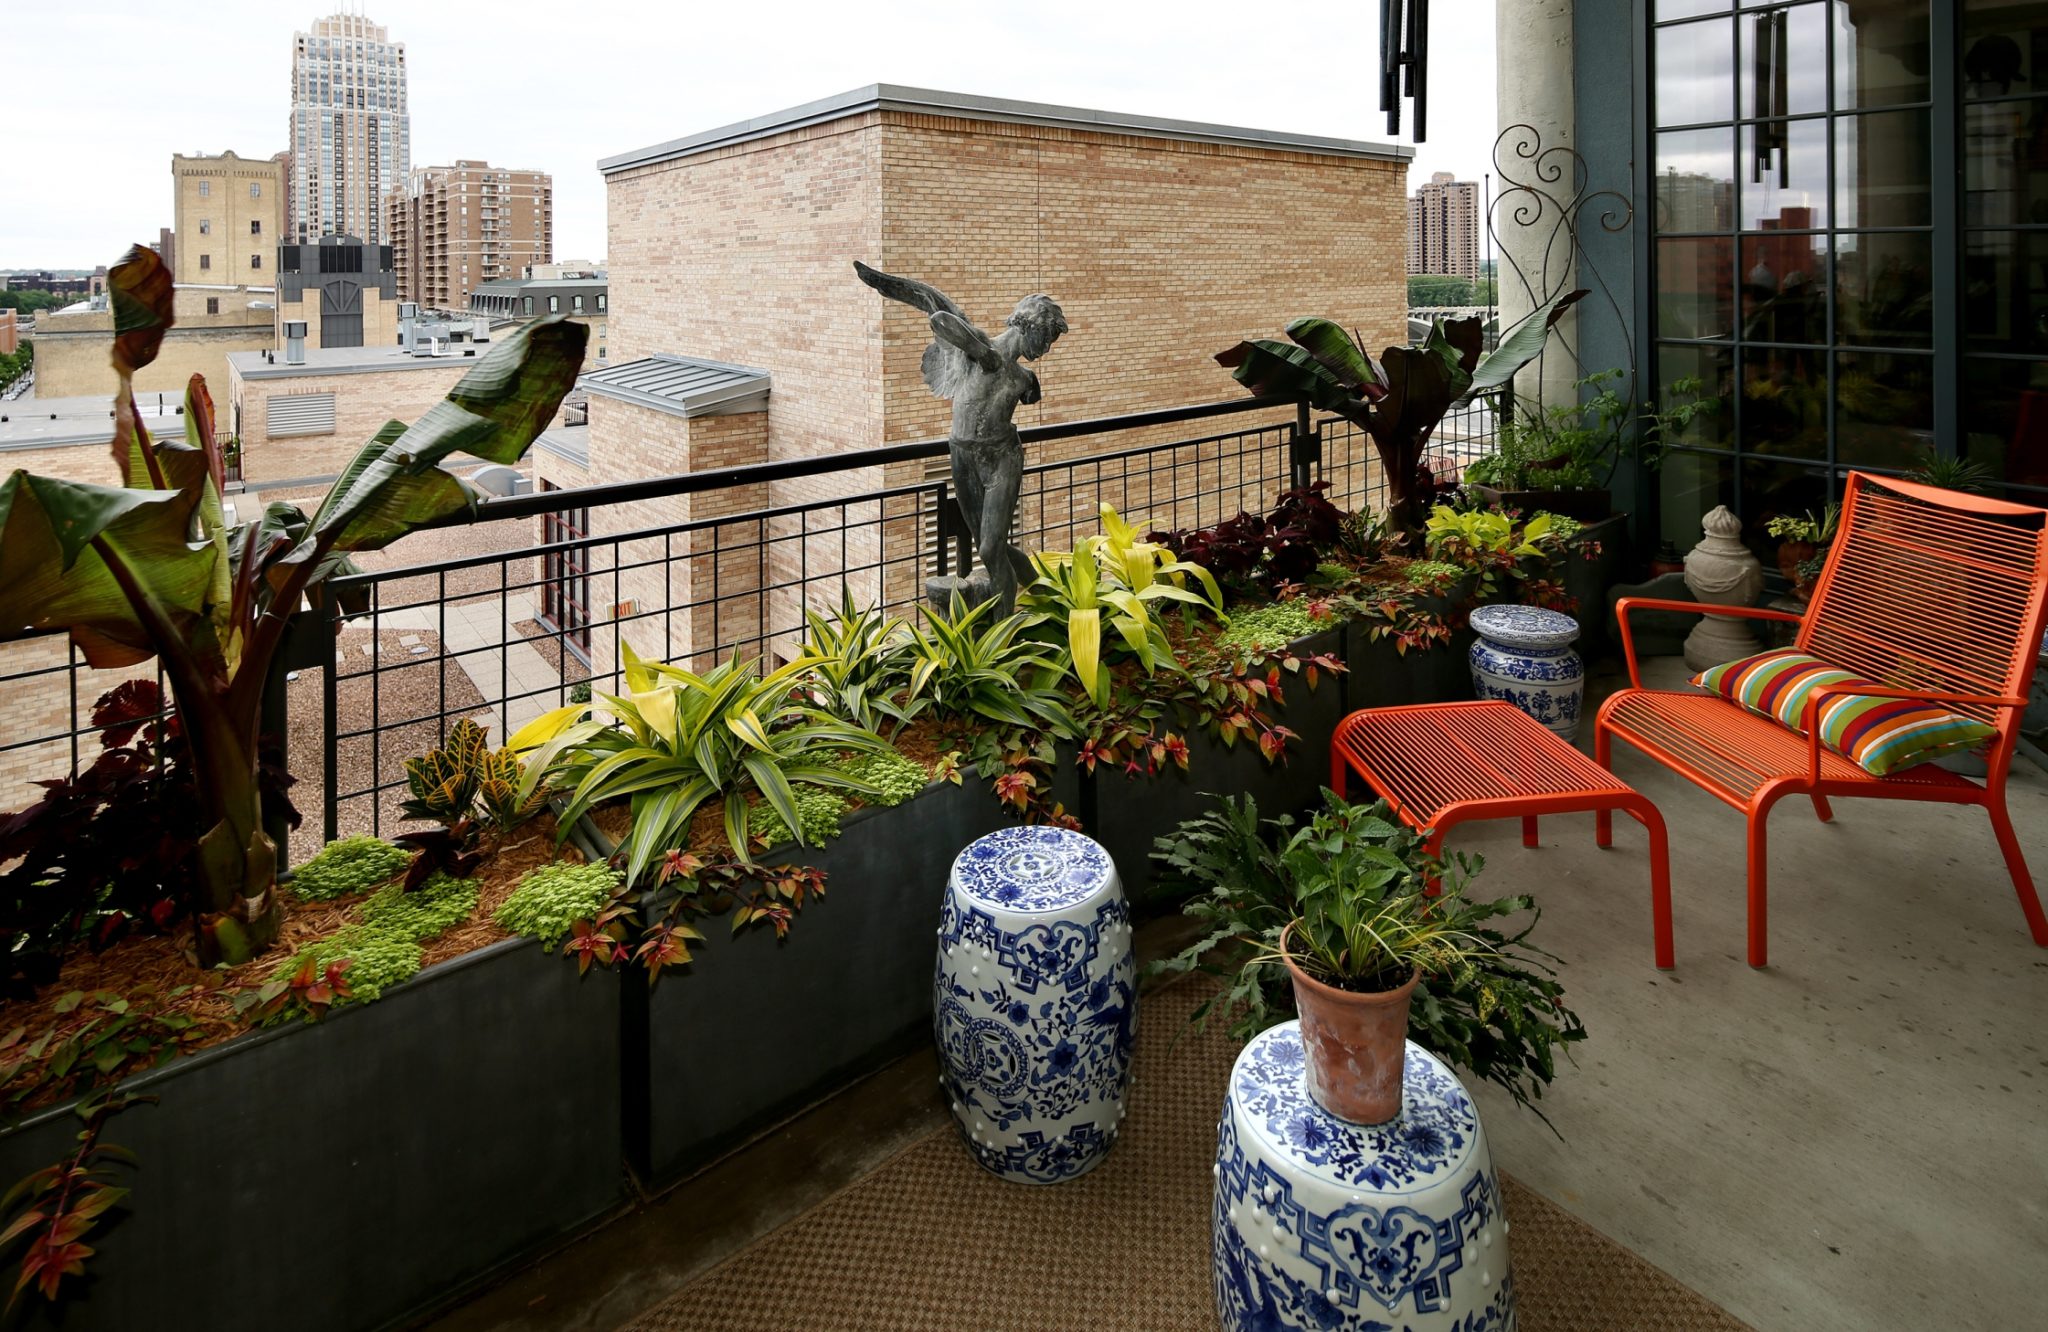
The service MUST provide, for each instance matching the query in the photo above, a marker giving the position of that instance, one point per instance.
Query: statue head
(1039, 323)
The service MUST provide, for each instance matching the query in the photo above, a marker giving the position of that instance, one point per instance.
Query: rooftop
(40, 423)
(895, 97)
(682, 385)
(517, 284)
(347, 361)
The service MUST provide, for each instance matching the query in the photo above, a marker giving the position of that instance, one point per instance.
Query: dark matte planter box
(1126, 814)
(1587, 579)
(756, 1029)
(350, 1172)
(1382, 676)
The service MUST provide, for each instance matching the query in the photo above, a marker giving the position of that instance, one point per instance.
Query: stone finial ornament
(1721, 571)
(982, 377)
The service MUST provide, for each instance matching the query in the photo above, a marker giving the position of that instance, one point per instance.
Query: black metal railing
(514, 613)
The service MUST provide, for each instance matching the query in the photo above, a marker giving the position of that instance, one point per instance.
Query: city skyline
(608, 87)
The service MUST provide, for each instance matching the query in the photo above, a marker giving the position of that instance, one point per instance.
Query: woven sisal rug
(931, 1243)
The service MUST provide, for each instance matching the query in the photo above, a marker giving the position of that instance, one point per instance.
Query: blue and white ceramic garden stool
(1035, 1002)
(1524, 656)
(1322, 1224)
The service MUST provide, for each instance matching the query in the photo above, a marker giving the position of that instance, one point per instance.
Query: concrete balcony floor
(1851, 1138)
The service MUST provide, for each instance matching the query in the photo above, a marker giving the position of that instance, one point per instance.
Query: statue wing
(947, 369)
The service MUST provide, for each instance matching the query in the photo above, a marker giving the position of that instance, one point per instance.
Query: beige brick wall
(228, 210)
(1161, 252)
(41, 714)
(75, 364)
(362, 404)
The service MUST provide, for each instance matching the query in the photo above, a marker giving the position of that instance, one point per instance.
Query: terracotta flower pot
(1356, 1044)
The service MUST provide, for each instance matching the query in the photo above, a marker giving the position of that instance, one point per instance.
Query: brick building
(1443, 227)
(229, 211)
(454, 228)
(1164, 241)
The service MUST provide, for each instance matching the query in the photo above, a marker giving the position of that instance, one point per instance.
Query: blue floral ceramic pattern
(1428, 1140)
(1320, 1224)
(1035, 1017)
(1525, 626)
(1522, 656)
(1033, 868)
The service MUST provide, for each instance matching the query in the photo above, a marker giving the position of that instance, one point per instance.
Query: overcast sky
(555, 87)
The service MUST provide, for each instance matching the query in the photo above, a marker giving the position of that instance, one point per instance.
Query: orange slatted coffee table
(1440, 764)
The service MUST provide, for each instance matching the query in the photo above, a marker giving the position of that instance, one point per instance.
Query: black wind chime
(1404, 62)
(1767, 79)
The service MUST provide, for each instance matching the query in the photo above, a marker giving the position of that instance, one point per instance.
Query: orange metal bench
(1441, 764)
(1934, 594)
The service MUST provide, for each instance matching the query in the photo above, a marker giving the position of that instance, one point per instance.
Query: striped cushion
(1880, 735)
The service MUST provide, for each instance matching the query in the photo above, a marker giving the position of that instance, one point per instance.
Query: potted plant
(1802, 546)
(1399, 399)
(1366, 953)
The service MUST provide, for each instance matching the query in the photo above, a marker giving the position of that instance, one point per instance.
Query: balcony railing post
(1304, 450)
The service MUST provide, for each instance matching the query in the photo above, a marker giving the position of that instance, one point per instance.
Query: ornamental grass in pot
(1333, 919)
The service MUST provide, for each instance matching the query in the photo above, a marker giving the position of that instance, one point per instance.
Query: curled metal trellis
(1548, 197)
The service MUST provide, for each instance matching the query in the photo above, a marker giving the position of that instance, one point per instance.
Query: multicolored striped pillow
(1880, 735)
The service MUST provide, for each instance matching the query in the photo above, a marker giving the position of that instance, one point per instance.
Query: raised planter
(1382, 676)
(1125, 814)
(755, 1028)
(350, 1172)
(1587, 579)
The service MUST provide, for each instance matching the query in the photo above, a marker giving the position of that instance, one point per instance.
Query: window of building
(255, 226)
(527, 302)
(565, 577)
(600, 300)
(205, 189)
(255, 261)
(206, 261)
(1802, 245)
(206, 226)
(577, 304)
(213, 305)
(255, 189)
(554, 304)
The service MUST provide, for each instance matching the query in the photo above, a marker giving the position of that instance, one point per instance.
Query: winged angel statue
(982, 377)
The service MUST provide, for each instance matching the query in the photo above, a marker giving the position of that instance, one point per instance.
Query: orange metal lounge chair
(1937, 595)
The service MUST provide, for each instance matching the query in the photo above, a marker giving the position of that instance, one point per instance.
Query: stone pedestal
(1035, 1002)
(1323, 1224)
(1721, 571)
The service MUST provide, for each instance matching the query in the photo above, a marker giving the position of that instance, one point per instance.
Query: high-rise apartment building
(1443, 227)
(454, 228)
(227, 219)
(351, 137)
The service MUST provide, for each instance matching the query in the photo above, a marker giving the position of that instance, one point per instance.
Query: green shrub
(1270, 628)
(817, 812)
(351, 865)
(377, 960)
(436, 906)
(550, 900)
(1333, 573)
(1431, 573)
(579, 692)
(894, 777)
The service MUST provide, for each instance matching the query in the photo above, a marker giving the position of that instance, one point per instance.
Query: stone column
(1533, 59)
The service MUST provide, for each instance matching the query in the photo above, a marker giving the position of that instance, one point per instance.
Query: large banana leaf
(110, 564)
(1521, 346)
(140, 290)
(494, 412)
(1266, 366)
(1335, 351)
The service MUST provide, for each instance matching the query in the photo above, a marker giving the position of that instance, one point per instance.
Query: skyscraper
(1443, 227)
(351, 136)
